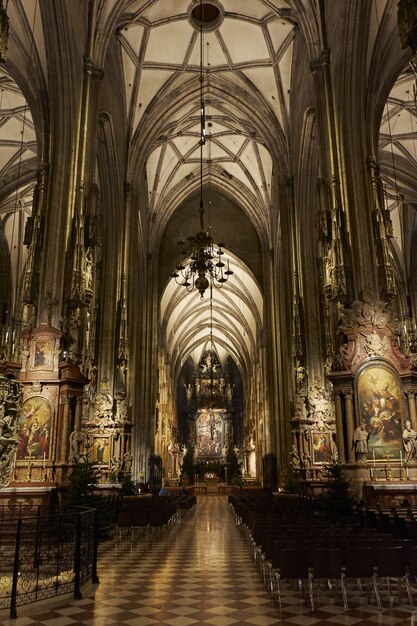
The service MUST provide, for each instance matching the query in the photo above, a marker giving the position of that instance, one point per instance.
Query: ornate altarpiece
(373, 382)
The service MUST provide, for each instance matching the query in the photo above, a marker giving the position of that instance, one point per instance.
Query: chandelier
(201, 261)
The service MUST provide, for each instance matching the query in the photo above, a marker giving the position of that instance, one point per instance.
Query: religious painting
(209, 433)
(379, 397)
(323, 447)
(101, 450)
(34, 429)
(43, 354)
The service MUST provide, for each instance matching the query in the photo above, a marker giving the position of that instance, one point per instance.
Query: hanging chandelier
(201, 261)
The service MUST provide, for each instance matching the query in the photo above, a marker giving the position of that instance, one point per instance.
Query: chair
(294, 566)
(275, 560)
(360, 563)
(391, 563)
(327, 565)
(125, 520)
(411, 560)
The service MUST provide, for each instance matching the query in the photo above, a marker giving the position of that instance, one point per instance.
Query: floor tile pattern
(202, 573)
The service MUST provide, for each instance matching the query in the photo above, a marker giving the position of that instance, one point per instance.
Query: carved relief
(367, 312)
(371, 328)
(320, 406)
(374, 345)
(10, 400)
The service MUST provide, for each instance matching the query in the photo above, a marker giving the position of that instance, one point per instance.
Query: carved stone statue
(229, 392)
(116, 466)
(75, 440)
(409, 442)
(295, 459)
(360, 442)
(300, 377)
(342, 360)
(320, 406)
(9, 410)
(188, 392)
(306, 464)
(127, 462)
(6, 427)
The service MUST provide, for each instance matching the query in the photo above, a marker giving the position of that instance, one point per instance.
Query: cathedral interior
(208, 292)
(275, 140)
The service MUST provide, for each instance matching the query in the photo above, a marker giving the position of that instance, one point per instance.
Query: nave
(201, 573)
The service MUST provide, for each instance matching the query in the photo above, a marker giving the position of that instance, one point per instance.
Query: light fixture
(201, 261)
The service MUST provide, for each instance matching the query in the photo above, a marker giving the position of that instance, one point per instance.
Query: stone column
(350, 423)
(65, 425)
(339, 427)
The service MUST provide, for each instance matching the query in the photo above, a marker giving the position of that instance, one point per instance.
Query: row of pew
(289, 542)
(147, 516)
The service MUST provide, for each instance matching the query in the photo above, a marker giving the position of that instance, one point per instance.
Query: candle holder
(29, 472)
(403, 473)
(29, 468)
(388, 470)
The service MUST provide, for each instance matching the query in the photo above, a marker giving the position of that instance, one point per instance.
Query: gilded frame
(380, 405)
(323, 447)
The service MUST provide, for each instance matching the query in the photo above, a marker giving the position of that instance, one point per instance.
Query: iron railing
(45, 552)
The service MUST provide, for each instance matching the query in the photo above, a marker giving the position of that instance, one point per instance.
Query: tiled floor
(201, 574)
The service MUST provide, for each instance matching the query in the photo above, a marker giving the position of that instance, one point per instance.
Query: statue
(360, 442)
(342, 360)
(116, 467)
(295, 459)
(306, 460)
(300, 376)
(188, 392)
(76, 439)
(306, 464)
(127, 462)
(409, 442)
(92, 385)
(6, 427)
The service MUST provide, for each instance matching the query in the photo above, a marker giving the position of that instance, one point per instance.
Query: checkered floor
(201, 574)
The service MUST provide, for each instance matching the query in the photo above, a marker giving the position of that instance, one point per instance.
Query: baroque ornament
(374, 345)
(320, 406)
(10, 402)
(367, 312)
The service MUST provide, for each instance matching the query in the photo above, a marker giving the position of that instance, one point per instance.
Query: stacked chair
(290, 542)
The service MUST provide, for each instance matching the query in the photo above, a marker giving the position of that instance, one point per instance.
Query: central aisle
(202, 574)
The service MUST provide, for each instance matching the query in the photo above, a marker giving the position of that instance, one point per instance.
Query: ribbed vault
(231, 321)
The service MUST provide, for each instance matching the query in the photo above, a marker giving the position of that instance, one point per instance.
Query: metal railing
(45, 552)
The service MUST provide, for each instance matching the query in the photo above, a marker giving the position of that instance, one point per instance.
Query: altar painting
(101, 450)
(380, 407)
(34, 429)
(209, 433)
(43, 354)
(322, 447)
